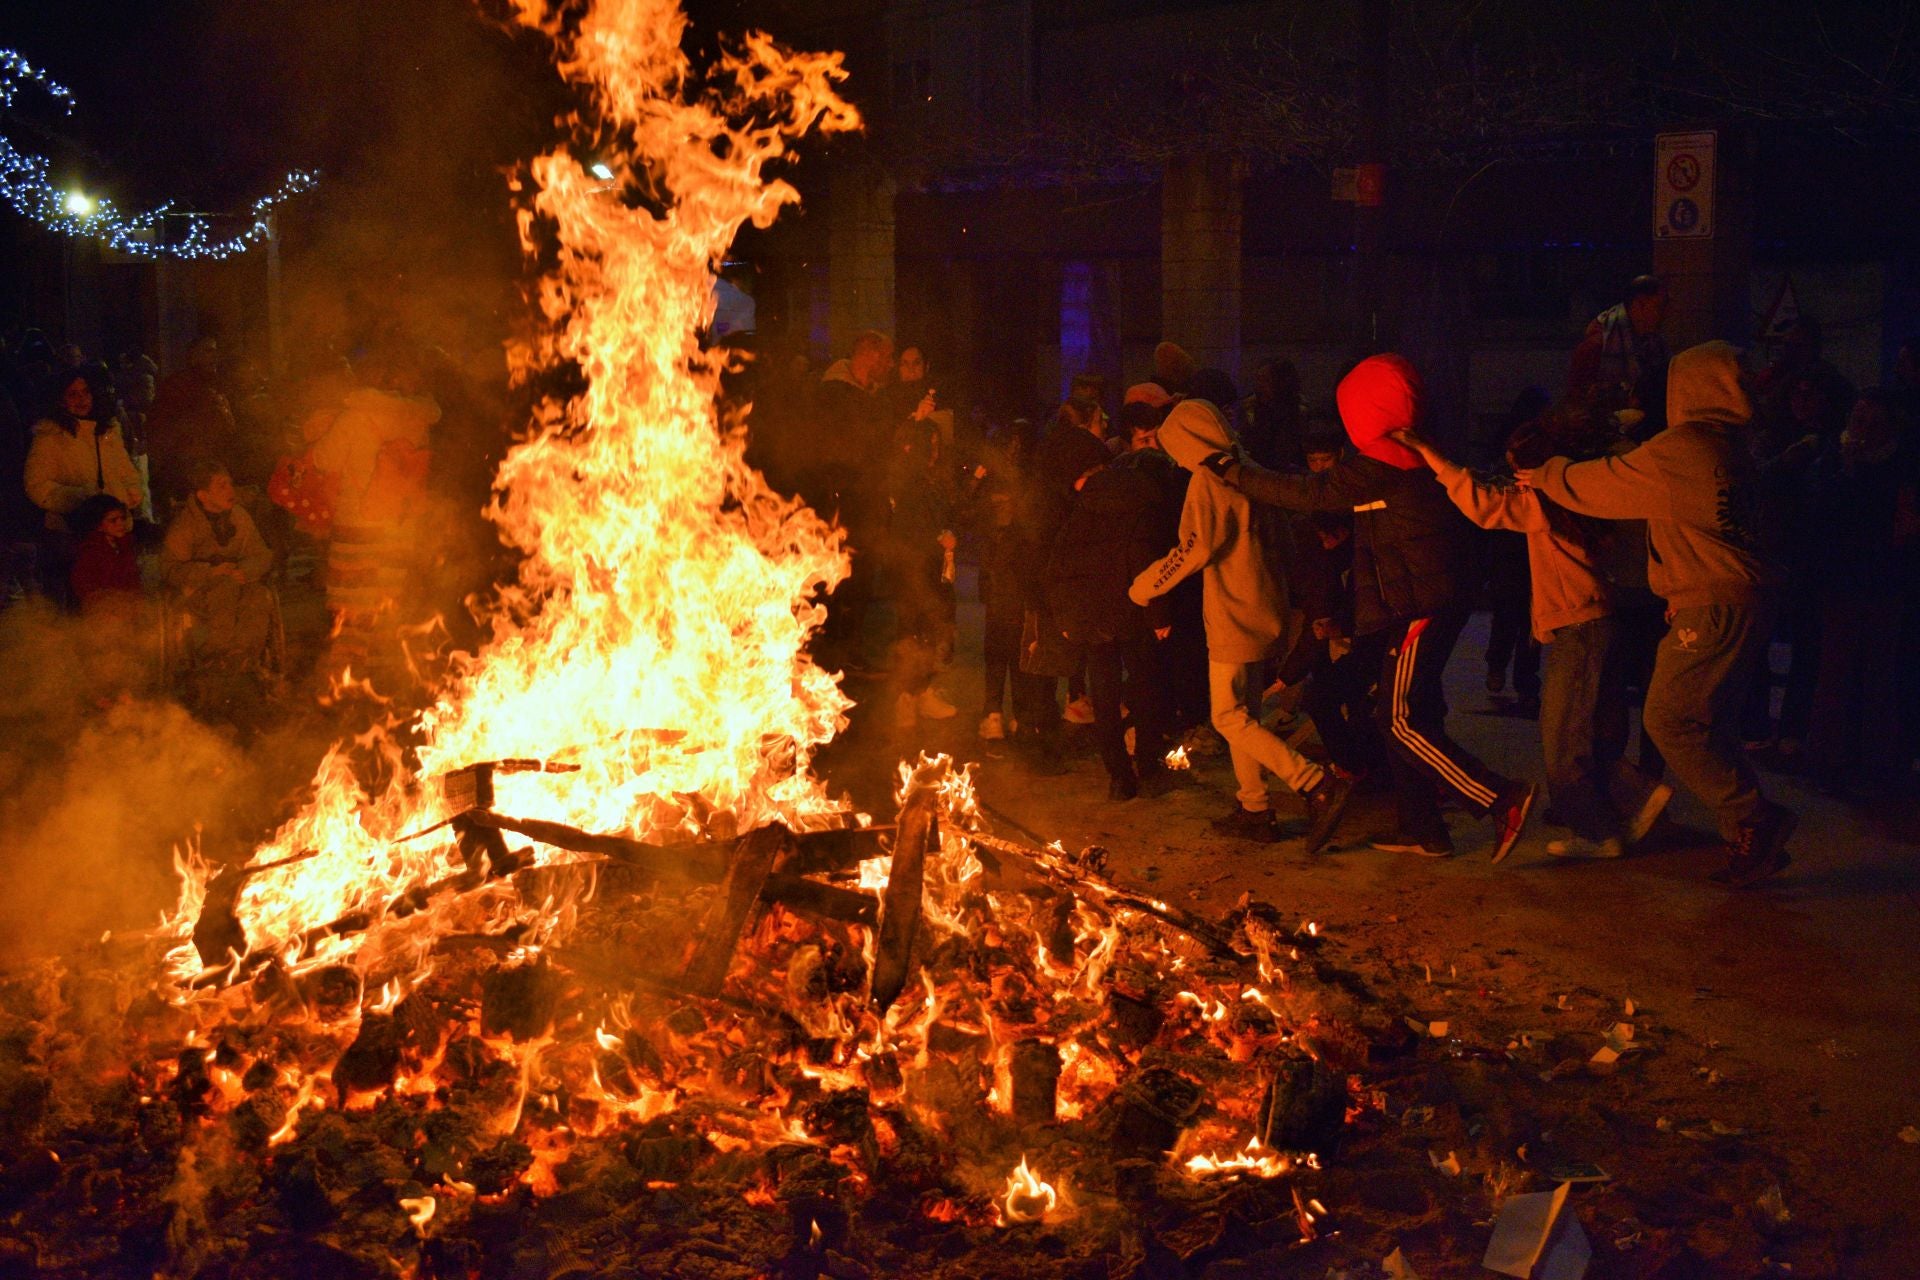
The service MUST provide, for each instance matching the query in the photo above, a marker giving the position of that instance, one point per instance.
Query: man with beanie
(1246, 613)
(1697, 487)
(1408, 580)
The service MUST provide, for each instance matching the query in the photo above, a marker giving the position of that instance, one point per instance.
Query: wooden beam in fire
(900, 904)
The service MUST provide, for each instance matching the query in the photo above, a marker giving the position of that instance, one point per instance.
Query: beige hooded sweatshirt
(1244, 604)
(1695, 484)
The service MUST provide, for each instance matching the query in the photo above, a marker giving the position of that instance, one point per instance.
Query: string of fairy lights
(27, 184)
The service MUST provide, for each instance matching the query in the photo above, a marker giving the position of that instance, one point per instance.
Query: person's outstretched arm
(1626, 486)
(1340, 489)
(1489, 506)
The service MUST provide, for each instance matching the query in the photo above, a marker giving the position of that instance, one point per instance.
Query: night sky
(210, 101)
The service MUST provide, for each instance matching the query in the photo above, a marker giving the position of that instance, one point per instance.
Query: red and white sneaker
(1510, 813)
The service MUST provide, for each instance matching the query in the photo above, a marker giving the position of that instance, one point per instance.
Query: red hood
(1381, 396)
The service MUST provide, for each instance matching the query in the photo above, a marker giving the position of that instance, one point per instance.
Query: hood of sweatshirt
(1194, 430)
(841, 370)
(1381, 396)
(1703, 386)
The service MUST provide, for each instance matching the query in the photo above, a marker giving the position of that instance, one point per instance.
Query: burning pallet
(826, 1025)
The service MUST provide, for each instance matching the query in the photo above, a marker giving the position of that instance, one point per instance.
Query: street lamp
(80, 204)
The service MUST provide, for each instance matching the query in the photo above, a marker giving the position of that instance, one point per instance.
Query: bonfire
(604, 932)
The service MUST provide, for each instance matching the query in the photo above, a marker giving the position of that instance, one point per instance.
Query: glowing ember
(1028, 1199)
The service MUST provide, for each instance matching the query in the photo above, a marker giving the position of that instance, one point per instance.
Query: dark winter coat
(1409, 543)
(1116, 526)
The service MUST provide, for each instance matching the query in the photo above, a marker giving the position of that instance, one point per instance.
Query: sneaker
(1325, 805)
(932, 706)
(906, 711)
(1496, 681)
(1759, 850)
(993, 727)
(1435, 848)
(1080, 711)
(1511, 813)
(1581, 847)
(1121, 789)
(1650, 810)
(1245, 824)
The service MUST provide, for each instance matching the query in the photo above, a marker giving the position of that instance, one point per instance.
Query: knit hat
(1381, 396)
(1173, 368)
(1194, 430)
(1147, 393)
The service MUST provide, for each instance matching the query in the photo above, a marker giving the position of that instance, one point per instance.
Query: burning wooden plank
(752, 863)
(900, 906)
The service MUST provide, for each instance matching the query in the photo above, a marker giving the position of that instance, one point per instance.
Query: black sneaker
(1510, 812)
(1435, 847)
(1122, 789)
(1245, 824)
(1759, 850)
(1325, 804)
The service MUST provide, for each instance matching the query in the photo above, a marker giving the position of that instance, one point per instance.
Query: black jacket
(1409, 541)
(1117, 526)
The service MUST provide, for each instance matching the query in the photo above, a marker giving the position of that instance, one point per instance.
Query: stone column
(1200, 218)
(860, 251)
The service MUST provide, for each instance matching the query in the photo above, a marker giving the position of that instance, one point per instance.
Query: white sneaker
(1581, 847)
(906, 713)
(1650, 811)
(932, 706)
(992, 727)
(1080, 711)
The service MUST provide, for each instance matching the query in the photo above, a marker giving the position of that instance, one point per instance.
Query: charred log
(901, 902)
(1036, 1082)
(752, 862)
(1304, 1108)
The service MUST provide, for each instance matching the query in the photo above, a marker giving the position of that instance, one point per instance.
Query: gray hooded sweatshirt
(1695, 484)
(1221, 537)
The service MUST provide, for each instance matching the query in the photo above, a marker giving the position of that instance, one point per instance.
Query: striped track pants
(1412, 711)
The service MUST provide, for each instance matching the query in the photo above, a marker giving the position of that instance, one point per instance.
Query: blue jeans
(1572, 688)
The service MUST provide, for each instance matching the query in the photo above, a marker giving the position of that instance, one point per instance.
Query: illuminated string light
(26, 183)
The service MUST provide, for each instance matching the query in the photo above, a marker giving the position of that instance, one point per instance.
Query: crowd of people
(1652, 541)
(176, 503)
(1657, 538)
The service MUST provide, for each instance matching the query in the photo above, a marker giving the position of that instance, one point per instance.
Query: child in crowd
(215, 558)
(1572, 614)
(106, 565)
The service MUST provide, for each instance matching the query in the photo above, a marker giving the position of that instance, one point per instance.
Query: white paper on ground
(1534, 1238)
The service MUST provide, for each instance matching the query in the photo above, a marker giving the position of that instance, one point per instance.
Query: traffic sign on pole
(1683, 186)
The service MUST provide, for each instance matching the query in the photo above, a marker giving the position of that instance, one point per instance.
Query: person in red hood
(1409, 604)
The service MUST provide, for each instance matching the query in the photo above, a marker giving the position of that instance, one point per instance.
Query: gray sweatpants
(1700, 677)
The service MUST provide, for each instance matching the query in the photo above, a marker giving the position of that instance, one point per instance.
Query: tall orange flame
(655, 636)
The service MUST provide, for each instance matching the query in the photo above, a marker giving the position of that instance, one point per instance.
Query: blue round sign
(1683, 214)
